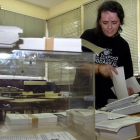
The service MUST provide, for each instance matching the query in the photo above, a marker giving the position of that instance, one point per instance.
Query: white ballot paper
(116, 124)
(45, 136)
(120, 84)
(132, 82)
(19, 137)
(55, 136)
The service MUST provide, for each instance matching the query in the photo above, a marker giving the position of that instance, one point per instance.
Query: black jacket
(117, 53)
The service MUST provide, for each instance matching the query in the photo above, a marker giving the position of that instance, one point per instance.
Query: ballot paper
(120, 84)
(55, 136)
(116, 124)
(125, 102)
(19, 137)
(103, 116)
(132, 109)
(63, 44)
(32, 43)
(124, 133)
(132, 82)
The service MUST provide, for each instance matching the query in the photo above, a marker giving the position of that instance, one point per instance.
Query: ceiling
(43, 3)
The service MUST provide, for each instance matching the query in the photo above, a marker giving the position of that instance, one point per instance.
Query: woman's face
(109, 23)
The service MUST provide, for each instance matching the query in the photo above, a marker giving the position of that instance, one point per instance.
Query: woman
(106, 34)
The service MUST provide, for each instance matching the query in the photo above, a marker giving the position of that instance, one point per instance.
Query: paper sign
(132, 82)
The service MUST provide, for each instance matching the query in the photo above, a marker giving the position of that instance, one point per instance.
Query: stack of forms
(118, 129)
(63, 44)
(25, 121)
(128, 105)
(81, 119)
(9, 35)
(107, 124)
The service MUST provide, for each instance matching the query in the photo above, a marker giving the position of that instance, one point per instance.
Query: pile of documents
(81, 119)
(63, 44)
(9, 35)
(116, 126)
(118, 129)
(26, 121)
(107, 124)
(125, 102)
(128, 105)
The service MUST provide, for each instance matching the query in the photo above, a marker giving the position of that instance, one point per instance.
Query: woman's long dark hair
(112, 6)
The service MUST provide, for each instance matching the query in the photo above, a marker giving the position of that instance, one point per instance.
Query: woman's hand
(130, 91)
(105, 70)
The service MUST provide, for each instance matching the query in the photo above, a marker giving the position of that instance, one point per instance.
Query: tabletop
(30, 100)
(33, 95)
(61, 97)
(53, 97)
(5, 98)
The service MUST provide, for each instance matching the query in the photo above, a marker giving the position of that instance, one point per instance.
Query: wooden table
(20, 101)
(5, 98)
(61, 97)
(58, 128)
(33, 95)
(53, 97)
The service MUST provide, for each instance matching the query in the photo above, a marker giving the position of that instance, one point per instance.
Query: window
(65, 25)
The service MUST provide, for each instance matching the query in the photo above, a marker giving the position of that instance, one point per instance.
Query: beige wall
(24, 8)
(34, 11)
(65, 6)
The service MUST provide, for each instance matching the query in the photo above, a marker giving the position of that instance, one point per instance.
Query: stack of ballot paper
(81, 119)
(9, 35)
(63, 44)
(125, 102)
(132, 109)
(26, 121)
(118, 129)
(127, 106)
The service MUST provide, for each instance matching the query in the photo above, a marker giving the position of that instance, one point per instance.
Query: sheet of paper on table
(44, 136)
